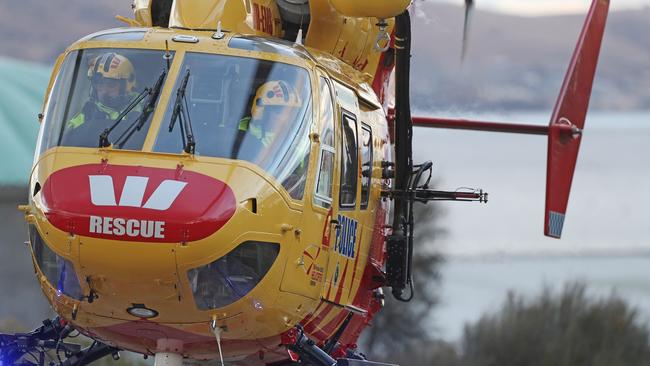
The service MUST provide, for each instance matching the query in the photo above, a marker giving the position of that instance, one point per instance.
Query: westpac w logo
(102, 192)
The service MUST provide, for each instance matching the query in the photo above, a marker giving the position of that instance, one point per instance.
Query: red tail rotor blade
(570, 112)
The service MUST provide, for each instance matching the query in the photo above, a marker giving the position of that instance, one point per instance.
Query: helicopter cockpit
(247, 109)
(238, 108)
(92, 89)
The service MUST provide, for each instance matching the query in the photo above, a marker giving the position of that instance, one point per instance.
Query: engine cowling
(382, 9)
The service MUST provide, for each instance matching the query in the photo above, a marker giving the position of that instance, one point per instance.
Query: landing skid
(339, 362)
(311, 354)
(45, 345)
(351, 362)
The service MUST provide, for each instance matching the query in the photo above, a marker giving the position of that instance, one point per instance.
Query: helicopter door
(344, 253)
(307, 264)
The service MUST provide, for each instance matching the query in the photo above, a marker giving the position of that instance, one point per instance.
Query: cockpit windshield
(98, 88)
(247, 109)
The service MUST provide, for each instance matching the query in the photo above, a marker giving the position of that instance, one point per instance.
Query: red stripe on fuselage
(313, 324)
(339, 292)
(324, 332)
(329, 289)
(356, 261)
(310, 317)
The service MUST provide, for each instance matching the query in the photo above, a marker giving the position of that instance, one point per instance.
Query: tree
(566, 330)
(398, 325)
(428, 353)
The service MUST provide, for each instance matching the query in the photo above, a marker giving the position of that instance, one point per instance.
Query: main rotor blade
(469, 7)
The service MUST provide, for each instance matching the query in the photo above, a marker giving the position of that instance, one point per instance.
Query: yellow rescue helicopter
(231, 181)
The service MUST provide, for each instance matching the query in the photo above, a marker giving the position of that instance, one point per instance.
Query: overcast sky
(536, 7)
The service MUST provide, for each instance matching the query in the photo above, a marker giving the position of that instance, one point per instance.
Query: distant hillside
(39, 30)
(519, 62)
(513, 62)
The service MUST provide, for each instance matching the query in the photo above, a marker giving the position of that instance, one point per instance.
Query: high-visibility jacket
(110, 114)
(265, 137)
(97, 111)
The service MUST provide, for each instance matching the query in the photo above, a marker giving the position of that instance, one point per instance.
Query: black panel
(160, 11)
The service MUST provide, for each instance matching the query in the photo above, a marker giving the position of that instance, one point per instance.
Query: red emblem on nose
(137, 203)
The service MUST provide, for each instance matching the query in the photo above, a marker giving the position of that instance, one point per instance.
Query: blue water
(606, 239)
(609, 201)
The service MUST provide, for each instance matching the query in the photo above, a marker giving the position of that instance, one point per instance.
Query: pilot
(112, 79)
(273, 112)
(275, 104)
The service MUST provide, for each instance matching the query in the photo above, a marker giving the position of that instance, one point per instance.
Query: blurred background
(477, 262)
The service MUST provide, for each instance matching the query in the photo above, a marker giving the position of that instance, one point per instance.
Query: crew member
(112, 83)
(274, 105)
(273, 111)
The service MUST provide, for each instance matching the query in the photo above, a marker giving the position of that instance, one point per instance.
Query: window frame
(345, 114)
(365, 199)
(319, 199)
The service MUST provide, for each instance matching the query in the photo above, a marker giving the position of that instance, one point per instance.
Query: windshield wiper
(181, 111)
(144, 116)
(103, 137)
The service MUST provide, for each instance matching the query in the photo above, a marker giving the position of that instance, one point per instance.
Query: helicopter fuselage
(152, 249)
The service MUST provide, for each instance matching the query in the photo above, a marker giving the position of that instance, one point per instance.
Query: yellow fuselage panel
(381, 9)
(346, 29)
(142, 12)
(199, 14)
(122, 272)
(351, 38)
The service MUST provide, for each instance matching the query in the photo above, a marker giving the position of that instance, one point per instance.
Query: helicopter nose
(135, 203)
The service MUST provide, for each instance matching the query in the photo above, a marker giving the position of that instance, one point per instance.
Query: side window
(56, 104)
(366, 164)
(323, 194)
(349, 161)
